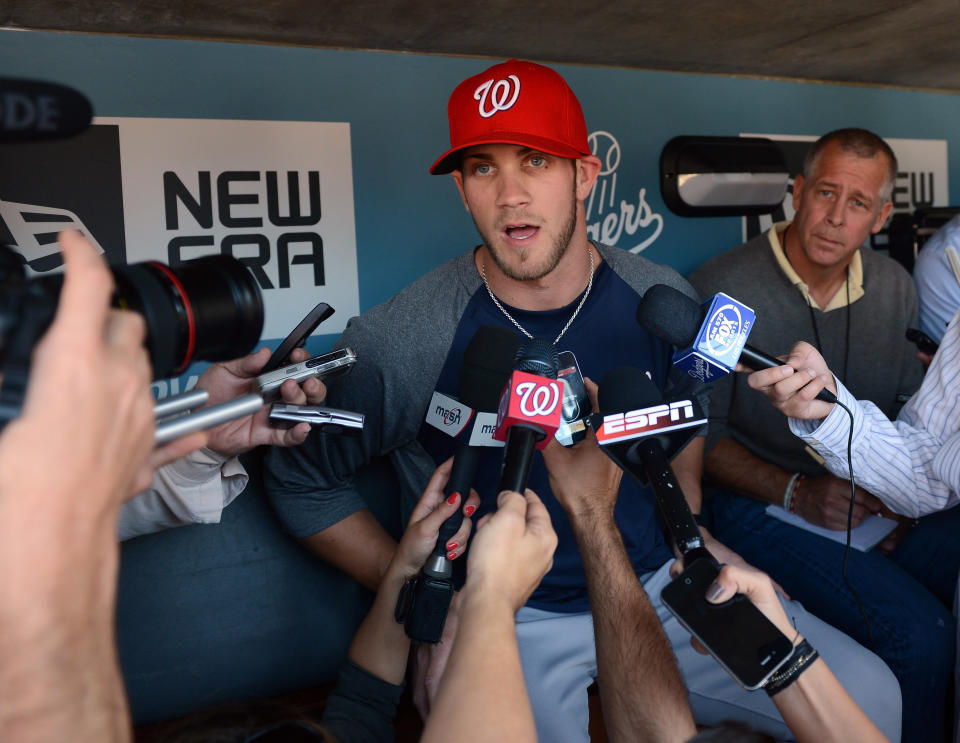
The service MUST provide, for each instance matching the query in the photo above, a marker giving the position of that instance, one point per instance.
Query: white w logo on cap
(502, 94)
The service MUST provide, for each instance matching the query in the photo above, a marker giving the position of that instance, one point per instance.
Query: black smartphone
(298, 336)
(924, 342)
(737, 634)
(325, 367)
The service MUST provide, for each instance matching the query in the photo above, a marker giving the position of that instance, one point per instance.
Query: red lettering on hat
(502, 94)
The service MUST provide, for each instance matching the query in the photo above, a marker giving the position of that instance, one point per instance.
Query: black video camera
(208, 309)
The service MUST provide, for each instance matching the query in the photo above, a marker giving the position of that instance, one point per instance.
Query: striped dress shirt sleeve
(913, 463)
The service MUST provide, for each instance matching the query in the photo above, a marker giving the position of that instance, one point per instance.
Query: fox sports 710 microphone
(642, 432)
(710, 338)
(531, 410)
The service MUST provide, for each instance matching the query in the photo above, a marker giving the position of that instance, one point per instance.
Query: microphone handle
(673, 504)
(465, 460)
(517, 456)
(757, 360)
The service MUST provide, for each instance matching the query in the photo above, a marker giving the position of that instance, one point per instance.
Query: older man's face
(840, 205)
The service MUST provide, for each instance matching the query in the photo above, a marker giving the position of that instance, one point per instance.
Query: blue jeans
(907, 596)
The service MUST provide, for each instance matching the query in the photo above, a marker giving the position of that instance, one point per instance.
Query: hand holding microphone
(424, 605)
(711, 344)
(797, 387)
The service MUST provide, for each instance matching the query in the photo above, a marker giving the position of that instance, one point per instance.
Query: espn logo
(34, 229)
(645, 421)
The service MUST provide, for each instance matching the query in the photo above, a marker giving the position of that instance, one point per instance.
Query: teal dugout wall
(408, 221)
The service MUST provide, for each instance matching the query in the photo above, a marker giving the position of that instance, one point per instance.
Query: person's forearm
(358, 545)
(732, 466)
(688, 468)
(905, 463)
(641, 690)
(817, 709)
(482, 696)
(381, 645)
(59, 679)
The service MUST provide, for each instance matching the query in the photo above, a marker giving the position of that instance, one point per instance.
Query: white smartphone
(325, 367)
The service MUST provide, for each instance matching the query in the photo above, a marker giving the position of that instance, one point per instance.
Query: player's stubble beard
(559, 248)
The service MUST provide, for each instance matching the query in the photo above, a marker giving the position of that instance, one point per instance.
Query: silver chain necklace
(483, 275)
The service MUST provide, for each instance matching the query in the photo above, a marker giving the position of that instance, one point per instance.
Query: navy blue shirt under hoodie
(604, 335)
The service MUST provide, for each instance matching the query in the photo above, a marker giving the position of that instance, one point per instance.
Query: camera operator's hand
(80, 446)
(88, 409)
(229, 379)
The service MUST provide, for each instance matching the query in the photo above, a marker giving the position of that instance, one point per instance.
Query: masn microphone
(530, 412)
(710, 341)
(424, 603)
(487, 363)
(32, 110)
(642, 441)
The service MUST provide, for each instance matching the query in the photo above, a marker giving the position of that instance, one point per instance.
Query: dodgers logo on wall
(628, 223)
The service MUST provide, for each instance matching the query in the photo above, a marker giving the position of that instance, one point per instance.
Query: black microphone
(487, 363)
(643, 444)
(675, 318)
(530, 412)
(424, 602)
(32, 110)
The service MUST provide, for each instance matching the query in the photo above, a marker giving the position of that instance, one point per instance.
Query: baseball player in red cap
(520, 157)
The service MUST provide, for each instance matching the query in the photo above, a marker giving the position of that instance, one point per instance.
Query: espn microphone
(643, 439)
(530, 412)
(32, 110)
(710, 338)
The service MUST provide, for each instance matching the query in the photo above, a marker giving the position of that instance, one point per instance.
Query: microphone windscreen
(670, 315)
(32, 110)
(626, 388)
(487, 363)
(537, 356)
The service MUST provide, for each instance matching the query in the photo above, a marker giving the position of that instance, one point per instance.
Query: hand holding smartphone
(325, 367)
(737, 634)
(298, 336)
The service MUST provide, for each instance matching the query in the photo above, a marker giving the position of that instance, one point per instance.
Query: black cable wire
(846, 552)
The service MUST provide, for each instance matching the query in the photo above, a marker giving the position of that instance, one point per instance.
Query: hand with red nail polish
(420, 537)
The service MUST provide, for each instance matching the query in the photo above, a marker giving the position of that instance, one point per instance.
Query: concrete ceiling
(886, 42)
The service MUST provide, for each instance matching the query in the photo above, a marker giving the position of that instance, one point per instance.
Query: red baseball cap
(518, 103)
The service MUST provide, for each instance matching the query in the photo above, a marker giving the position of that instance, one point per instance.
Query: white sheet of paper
(871, 531)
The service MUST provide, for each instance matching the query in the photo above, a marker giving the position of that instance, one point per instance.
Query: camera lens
(207, 309)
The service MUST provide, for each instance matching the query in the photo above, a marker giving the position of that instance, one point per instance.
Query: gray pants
(560, 662)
